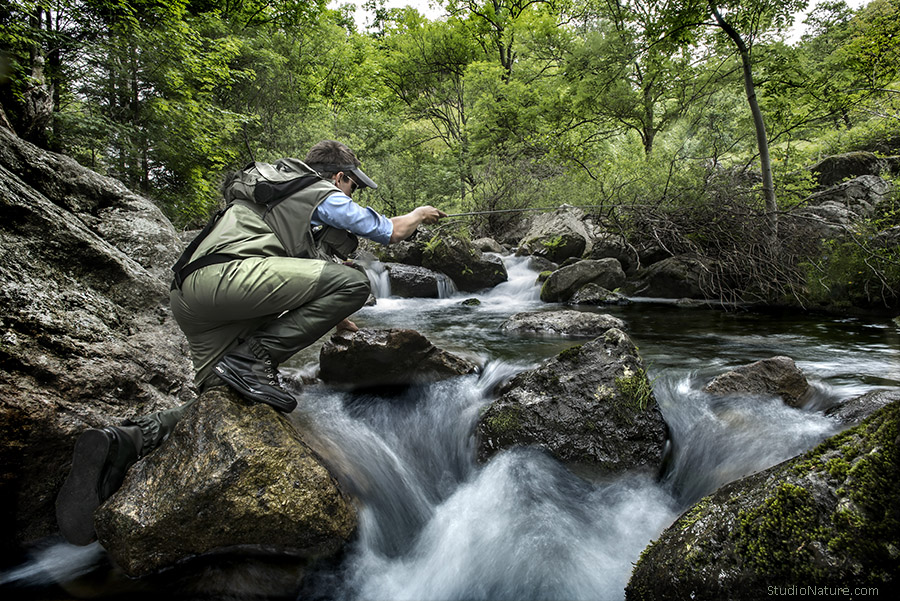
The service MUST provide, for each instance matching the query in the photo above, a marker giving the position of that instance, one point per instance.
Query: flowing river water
(436, 525)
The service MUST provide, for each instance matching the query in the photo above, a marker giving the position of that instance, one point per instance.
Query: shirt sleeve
(338, 210)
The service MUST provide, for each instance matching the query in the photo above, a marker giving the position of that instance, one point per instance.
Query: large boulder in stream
(469, 268)
(87, 336)
(412, 281)
(372, 358)
(561, 323)
(776, 376)
(557, 235)
(827, 520)
(682, 276)
(563, 283)
(591, 406)
(234, 477)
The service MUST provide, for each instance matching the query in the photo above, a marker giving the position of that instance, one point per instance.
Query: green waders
(285, 303)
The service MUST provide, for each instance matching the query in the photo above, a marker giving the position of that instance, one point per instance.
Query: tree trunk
(762, 141)
(38, 98)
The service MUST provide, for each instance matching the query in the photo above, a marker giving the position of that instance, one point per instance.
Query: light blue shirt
(338, 210)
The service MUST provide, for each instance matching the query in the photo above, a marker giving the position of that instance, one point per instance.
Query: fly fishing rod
(497, 211)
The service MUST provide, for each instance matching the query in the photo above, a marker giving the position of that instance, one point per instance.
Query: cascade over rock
(393, 357)
(87, 336)
(852, 411)
(591, 405)
(828, 518)
(777, 375)
(234, 476)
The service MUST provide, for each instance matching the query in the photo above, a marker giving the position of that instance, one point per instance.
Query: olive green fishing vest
(282, 228)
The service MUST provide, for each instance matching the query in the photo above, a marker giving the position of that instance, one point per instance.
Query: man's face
(345, 183)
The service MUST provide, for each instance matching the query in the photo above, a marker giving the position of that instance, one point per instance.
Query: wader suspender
(265, 192)
(183, 268)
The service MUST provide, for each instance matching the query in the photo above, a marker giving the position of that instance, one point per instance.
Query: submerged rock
(595, 294)
(393, 357)
(233, 476)
(561, 323)
(853, 411)
(828, 518)
(591, 405)
(777, 375)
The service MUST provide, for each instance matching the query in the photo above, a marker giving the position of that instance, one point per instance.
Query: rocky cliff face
(86, 337)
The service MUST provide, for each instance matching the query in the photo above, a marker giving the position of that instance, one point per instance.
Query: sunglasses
(353, 185)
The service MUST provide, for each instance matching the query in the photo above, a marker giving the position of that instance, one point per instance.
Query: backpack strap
(184, 267)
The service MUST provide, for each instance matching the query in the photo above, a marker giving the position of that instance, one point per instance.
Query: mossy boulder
(469, 268)
(592, 405)
(233, 476)
(595, 294)
(835, 169)
(557, 235)
(828, 518)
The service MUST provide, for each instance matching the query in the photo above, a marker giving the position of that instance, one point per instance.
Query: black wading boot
(99, 463)
(250, 370)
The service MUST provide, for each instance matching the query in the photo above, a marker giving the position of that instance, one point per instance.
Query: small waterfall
(446, 287)
(521, 285)
(379, 278)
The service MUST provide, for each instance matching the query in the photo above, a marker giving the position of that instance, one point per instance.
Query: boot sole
(283, 405)
(79, 497)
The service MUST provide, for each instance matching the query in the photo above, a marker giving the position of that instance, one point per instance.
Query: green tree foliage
(636, 107)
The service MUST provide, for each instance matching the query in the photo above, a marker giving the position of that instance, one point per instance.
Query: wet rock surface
(557, 235)
(410, 281)
(852, 411)
(561, 323)
(591, 405)
(234, 476)
(87, 336)
(777, 375)
(828, 518)
(565, 282)
(373, 358)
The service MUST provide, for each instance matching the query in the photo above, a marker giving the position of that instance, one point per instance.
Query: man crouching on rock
(263, 283)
